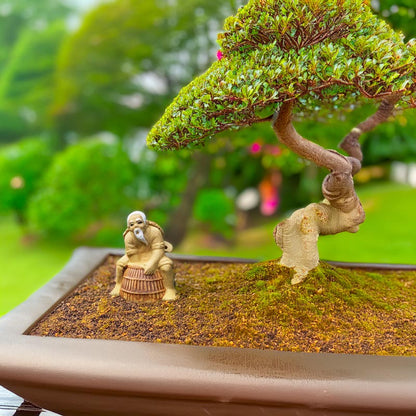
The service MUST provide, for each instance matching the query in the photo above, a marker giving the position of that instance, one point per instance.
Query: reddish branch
(314, 33)
(330, 159)
(283, 127)
(338, 186)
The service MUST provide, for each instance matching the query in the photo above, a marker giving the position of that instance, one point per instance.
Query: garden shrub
(21, 166)
(216, 211)
(86, 184)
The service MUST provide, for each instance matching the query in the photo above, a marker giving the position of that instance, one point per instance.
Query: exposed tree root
(297, 236)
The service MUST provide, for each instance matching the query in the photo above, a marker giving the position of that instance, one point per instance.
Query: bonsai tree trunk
(341, 210)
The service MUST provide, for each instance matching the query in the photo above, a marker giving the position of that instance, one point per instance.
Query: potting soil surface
(250, 306)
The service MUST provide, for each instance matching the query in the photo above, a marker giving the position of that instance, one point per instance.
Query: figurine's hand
(149, 269)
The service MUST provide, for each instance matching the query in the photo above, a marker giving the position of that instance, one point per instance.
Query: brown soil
(241, 305)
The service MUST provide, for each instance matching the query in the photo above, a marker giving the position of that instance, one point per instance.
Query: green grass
(387, 236)
(26, 265)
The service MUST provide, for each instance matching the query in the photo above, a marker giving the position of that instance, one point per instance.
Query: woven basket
(139, 287)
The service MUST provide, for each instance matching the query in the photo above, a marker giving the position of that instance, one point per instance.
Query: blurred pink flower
(255, 148)
(270, 206)
(273, 150)
(269, 193)
(220, 55)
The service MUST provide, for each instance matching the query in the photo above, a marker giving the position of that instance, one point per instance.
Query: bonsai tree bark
(281, 58)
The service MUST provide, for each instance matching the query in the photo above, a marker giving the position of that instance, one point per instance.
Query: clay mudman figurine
(146, 247)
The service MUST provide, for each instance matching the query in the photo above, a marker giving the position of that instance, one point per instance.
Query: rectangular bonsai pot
(99, 377)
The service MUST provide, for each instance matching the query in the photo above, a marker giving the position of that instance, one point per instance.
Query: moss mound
(252, 306)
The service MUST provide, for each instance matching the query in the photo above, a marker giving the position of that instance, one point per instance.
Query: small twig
(350, 142)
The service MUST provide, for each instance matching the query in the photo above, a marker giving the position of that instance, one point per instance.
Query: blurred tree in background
(18, 15)
(121, 68)
(25, 85)
(215, 211)
(30, 36)
(399, 13)
(128, 58)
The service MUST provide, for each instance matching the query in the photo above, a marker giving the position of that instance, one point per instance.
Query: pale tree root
(297, 236)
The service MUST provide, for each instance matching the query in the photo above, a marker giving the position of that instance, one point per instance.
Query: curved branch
(350, 142)
(330, 159)
(338, 186)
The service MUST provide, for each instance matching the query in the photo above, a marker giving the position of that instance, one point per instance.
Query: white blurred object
(248, 199)
(399, 172)
(11, 405)
(412, 175)
(404, 173)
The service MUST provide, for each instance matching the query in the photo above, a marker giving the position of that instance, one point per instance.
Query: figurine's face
(137, 225)
(136, 221)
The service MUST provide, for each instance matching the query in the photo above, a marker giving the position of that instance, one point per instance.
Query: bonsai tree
(303, 58)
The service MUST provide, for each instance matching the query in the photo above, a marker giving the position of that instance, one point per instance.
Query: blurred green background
(81, 83)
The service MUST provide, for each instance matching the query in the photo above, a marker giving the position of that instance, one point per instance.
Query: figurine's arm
(158, 251)
(129, 245)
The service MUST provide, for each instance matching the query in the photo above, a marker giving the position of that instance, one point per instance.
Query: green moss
(267, 271)
(326, 290)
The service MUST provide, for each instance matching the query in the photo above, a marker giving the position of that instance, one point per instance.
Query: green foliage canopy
(324, 54)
